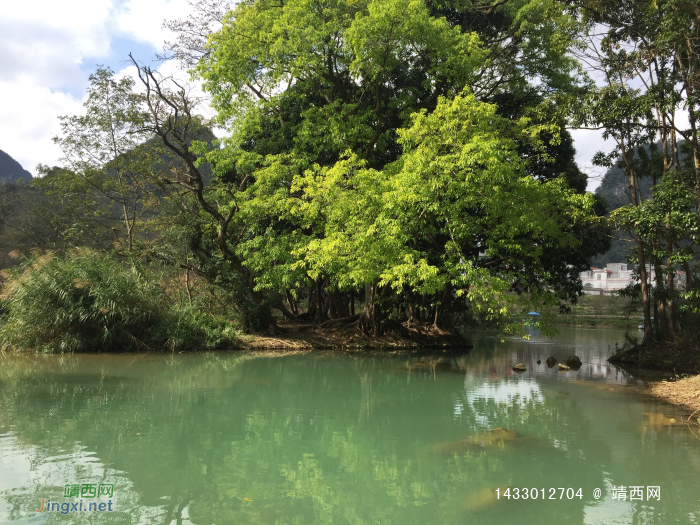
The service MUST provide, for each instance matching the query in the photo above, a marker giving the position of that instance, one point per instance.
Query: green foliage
(375, 157)
(457, 209)
(89, 301)
(669, 215)
(104, 167)
(411, 151)
(191, 328)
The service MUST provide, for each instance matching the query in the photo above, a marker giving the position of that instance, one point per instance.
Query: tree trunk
(648, 332)
(319, 313)
(628, 157)
(660, 318)
(285, 311)
(670, 290)
(688, 276)
(338, 304)
(442, 310)
(369, 321)
(332, 306)
(411, 314)
(311, 308)
(291, 302)
(692, 117)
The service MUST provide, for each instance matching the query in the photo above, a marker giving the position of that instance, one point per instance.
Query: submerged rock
(563, 368)
(656, 419)
(483, 499)
(519, 368)
(491, 438)
(551, 362)
(574, 362)
(539, 362)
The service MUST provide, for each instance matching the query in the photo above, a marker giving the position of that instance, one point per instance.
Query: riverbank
(681, 357)
(684, 392)
(336, 335)
(592, 311)
(596, 321)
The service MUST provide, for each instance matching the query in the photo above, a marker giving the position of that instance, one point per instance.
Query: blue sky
(49, 48)
(117, 60)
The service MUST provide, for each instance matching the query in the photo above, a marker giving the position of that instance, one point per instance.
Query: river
(328, 438)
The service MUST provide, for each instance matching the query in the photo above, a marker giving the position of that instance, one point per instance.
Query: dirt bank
(298, 335)
(685, 392)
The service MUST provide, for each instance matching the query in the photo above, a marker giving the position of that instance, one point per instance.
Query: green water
(323, 438)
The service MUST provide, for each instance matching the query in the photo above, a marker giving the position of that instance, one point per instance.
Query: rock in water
(563, 368)
(539, 362)
(574, 362)
(519, 368)
(551, 362)
(659, 420)
(493, 439)
(483, 499)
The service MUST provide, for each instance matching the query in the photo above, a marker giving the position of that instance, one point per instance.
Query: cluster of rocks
(572, 363)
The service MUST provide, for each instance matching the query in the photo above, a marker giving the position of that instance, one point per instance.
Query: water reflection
(322, 438)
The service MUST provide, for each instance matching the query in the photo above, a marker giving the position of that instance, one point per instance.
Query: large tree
(317, 93)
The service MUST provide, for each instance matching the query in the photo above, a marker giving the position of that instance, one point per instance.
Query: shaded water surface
(323, 438)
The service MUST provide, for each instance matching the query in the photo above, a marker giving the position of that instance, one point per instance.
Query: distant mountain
(615, 190)
(11, 170)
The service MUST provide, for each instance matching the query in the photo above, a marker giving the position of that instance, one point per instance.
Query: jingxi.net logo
(88, 493)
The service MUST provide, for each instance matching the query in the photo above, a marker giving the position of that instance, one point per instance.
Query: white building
(616, 276)
(601, 281)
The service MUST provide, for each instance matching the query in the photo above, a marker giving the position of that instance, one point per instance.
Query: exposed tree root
(352, 333)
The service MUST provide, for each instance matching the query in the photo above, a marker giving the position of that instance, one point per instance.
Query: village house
(615, 277)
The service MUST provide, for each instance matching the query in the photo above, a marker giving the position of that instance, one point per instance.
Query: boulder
(563, 368)
(519, 368)
(574, 362)
(551, 362)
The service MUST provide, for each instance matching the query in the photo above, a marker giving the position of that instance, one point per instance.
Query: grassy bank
(593, 311)
(586, 321)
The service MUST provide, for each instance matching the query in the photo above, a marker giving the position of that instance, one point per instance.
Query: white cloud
(46, 40)
(44, 46)
(144, 19)
(588, 143)
(30, 120)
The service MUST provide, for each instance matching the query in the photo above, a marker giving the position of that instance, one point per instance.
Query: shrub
(188, 328)
(89, 301)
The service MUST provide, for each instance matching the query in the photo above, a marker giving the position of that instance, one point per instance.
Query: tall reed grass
(88, 301)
